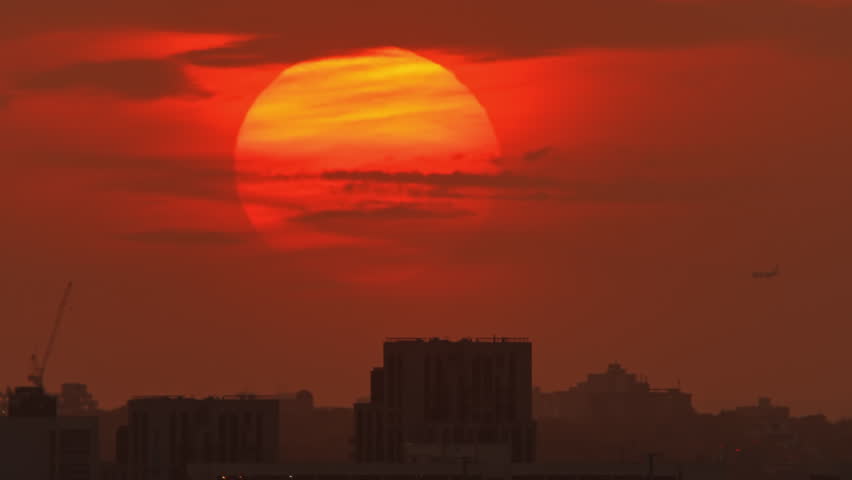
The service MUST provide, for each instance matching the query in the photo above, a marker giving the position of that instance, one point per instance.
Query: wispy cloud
(538, 154)
(510, 186)
(400, 211)
(134, 79)
(455, 179)
(180, 236)
(212, 179)
(507, 29)
(291, 31)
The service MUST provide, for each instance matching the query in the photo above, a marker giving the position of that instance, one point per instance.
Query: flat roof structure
(449, 471)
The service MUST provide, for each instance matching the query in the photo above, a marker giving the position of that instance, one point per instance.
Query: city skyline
(580, 382)
(437, 407)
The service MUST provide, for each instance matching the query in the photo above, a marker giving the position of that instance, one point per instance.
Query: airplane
(771, 274)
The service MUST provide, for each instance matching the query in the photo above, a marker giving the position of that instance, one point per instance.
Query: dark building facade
(434, 392)
(165, 434)
(37, 444)
(31, 402)
(444, 471)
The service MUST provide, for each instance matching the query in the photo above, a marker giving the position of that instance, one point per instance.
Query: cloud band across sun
(385, 110)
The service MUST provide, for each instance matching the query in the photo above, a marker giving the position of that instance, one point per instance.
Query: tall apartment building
(165, 434)
(431, 395)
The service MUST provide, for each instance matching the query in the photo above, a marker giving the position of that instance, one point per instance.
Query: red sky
(654, 154)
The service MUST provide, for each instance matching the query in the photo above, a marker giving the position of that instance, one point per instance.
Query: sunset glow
(386, 110)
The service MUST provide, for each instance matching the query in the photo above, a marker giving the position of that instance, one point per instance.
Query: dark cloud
(436, 192)
(487, 30)
(512, 186)
(503, 29)
(189, 237)
(537, 154)
(207, 177)
(517, 187)
(211, 178)
(267, 49)
(401, 211)
(455, 179)
(178, 181)
(135, 79)
(198, 165)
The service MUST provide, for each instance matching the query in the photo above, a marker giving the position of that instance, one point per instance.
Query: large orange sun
(363, 148)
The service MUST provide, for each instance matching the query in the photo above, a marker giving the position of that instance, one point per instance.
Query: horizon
(641, 377)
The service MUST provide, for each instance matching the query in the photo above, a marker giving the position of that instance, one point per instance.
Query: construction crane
(37, 377)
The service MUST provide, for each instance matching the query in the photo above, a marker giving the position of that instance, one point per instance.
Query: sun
(359, 148)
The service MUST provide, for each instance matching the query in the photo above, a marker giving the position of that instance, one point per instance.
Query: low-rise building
(36, 444)
(613, 396)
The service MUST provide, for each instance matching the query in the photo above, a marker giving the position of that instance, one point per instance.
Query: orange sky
(647, 167)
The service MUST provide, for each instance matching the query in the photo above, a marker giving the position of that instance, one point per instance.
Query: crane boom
(39, 367)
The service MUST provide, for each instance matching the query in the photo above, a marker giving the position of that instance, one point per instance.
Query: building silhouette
(165, 434)
(758, 434)
(75, 399)
(437, 409)
(31, 401)
(446, 471)
(433, 394)
(36, 444)
(614, 395)
(615, 416)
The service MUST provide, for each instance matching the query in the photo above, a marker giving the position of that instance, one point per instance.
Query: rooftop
(491, 339)
(241, 396)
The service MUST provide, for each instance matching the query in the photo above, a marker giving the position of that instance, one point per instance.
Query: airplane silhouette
(771, 274)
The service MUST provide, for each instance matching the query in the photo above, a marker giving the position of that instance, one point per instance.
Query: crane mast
(37, 377)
